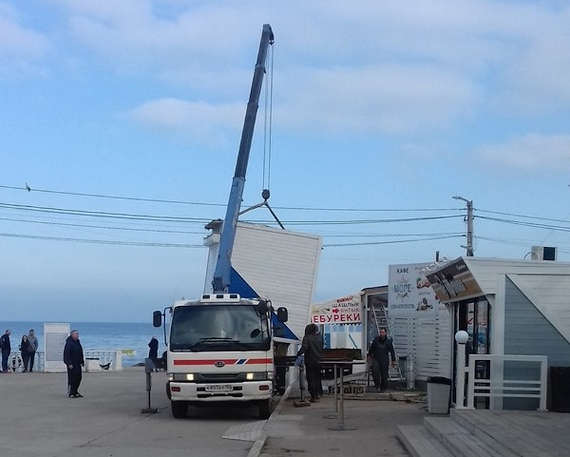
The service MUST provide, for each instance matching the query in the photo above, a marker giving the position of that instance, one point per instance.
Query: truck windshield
(218, 328)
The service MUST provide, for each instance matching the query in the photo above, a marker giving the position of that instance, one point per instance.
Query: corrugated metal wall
(528, 332)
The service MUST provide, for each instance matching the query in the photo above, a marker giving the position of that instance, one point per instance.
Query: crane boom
(222, 273)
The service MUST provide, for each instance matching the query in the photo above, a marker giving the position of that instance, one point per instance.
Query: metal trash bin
(438, 391)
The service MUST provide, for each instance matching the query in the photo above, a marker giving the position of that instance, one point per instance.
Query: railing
(115, 358)
(496, 386)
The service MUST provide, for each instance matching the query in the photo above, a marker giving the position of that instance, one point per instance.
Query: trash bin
(438, 390)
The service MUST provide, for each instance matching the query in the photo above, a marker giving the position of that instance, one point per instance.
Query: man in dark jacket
(73, 359)
(34, 345)
(312, 348)
(153, 351)
(380, 351)
(6, 349)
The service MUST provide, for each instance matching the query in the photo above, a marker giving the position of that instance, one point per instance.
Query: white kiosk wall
(54, 342)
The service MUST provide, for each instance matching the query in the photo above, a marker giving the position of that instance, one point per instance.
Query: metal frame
(504, 388)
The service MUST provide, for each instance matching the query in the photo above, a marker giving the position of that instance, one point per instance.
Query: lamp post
(469, 203)
(461, 338)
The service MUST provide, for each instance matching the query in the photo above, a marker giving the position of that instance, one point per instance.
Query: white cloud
(16, 41)
(385, 66)
(533, 153)
(202, 122)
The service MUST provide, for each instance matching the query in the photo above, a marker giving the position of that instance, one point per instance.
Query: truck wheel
(179, 409)
(264, 407)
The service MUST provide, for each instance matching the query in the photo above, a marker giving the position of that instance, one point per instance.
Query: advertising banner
(344, 310)
(454, 282)
(409, 291)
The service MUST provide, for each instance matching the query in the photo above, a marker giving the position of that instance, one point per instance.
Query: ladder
(381, 320)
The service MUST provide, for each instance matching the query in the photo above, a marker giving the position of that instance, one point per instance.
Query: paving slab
(305, 431)
(38, 420)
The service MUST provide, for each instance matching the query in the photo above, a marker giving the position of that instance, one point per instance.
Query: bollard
(149, 367)
(410, 377)
(340, 425)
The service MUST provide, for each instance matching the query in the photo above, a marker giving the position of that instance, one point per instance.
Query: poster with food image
(409, 291)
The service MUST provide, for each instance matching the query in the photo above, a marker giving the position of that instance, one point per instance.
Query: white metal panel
(486, 270)
(278, 264)
(549, 294)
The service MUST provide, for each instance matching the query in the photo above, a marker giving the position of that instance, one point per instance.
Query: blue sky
(376, 105)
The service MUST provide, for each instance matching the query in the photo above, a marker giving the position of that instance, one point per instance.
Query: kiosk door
(473, 317)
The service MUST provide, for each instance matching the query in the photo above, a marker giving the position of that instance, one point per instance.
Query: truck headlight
(190, 377)
(259, 376)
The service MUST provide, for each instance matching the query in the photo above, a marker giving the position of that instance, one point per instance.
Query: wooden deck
(485, 433)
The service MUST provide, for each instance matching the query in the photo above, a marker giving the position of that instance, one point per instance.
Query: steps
(444, 436)
(421, 443)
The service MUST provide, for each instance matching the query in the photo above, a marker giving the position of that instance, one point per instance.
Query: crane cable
(268, 126)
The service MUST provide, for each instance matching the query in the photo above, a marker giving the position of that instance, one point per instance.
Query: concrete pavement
(37, 419)
(304, 431)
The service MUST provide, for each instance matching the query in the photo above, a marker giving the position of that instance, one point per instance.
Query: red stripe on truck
(258, 361)
(204, 362)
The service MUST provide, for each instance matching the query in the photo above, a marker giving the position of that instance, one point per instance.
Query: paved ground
(37, 419)
(304, 431)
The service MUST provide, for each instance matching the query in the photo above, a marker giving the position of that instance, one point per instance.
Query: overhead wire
(104, 227)
(376, 243)
(184, 219)
(106, 242)
(557, 228)
(213, 204)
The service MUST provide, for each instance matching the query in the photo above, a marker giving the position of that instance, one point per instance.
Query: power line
(525, 216)
(107, 242)
(384, 235)
(106, 227)
(375, 243)
(197, 203)
(558, 228)
(167, 218)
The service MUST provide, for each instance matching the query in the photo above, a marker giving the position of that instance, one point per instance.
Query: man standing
(6, 349)
(73, 359)
(381, 350)
(312, 348)
(153, 351)
(33, 347)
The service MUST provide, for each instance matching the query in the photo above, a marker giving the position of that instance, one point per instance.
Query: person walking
(33, 348)
(73, 359)
(381, 349)
(6, 348)
(25, 349)
(312, 349)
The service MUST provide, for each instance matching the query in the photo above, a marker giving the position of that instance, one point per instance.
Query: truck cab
(220, 349)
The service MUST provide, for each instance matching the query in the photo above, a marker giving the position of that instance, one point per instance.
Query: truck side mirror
(283, 314)
(157, 319)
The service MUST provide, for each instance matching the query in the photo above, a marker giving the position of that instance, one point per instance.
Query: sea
(98, 336)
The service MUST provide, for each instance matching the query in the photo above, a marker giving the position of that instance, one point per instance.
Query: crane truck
(221, 347)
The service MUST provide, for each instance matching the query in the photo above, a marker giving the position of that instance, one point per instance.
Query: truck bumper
(245, 391)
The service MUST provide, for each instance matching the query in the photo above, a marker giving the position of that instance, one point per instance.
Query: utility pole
(469, 220)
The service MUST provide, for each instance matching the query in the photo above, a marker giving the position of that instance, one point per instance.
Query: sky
(376, 105)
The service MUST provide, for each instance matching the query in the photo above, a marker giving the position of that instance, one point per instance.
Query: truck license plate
(219, 388)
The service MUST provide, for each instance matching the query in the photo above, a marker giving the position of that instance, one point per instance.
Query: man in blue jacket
(73, 359)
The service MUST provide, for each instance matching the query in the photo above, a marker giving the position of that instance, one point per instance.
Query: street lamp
(469, 247)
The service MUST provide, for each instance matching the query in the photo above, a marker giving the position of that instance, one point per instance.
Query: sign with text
(409, 291)
(344, 310)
